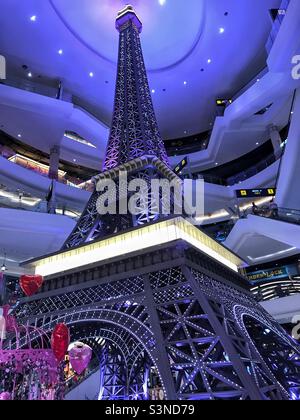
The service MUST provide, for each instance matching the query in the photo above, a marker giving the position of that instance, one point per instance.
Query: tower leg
(163, 362)
(235, 358)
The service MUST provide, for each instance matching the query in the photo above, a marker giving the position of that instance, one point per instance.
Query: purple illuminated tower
(134, 142)
(134, 131)
(160, 300)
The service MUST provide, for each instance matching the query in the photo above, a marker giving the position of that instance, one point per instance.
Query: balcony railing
(273, 289)
(242, 176)
(277, 24)
(31, 86)
(281, 214)
(54, 92)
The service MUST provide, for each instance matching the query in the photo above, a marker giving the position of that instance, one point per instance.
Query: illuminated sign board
(223, 102)
(259, 276)
(179, 168)
(258, 193)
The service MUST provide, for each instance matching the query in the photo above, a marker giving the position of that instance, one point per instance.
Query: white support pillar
(54, 162)
(275, 137)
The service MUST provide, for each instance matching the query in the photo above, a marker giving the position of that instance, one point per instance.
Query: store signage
(277, 273)
(259, 193)
(223, 102)
(179, 168)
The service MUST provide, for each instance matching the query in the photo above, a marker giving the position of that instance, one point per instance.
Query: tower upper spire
(128, 14)
(134, 130)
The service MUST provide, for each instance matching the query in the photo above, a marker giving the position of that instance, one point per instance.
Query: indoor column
(275, 137)
(54, 162)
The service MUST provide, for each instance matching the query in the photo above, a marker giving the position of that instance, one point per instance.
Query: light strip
(12, 197)
(133, 241)
(259, 202)
(276, 283)
(272, 255)
(37, 165)
(217, 215)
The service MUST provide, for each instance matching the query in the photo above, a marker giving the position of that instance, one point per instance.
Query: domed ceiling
(93, 25)
(195, 51)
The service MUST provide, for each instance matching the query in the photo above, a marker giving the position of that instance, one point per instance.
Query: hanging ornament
(80, 357)
(5, 396)
(31, 284)
(10, 321)
(60, 341)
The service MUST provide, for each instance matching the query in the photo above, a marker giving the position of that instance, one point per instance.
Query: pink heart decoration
(80, 357)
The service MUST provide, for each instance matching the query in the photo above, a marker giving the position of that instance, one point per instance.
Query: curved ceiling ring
(114, 62)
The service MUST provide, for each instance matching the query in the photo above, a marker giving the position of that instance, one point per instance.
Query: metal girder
(193, 329)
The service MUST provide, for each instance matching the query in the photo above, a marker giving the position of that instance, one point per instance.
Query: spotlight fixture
(209, 61)
(29, 74)
(221, 30)
(33, 18)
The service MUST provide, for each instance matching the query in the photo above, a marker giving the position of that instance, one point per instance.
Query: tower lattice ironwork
(134, 131)
(173, 305)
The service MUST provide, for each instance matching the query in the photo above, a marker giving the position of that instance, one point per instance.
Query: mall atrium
(149, 200)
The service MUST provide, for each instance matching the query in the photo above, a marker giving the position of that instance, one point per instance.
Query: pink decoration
(5, 396)
(60, 341)
(31, 284)
(80, 357)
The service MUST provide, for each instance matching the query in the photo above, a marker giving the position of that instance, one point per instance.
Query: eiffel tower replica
(156, 294)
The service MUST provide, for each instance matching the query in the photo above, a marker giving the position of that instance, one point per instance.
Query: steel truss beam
(194, 330)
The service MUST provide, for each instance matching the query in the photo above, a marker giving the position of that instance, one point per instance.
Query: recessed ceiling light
(209, 60)
(221, 30)
(153, 90)
(19, 135)
(258, 80)
(217, 164)
(60, 52)
(29, 74)
(91, 74)
(162, 2)
(185, 83)
(33, 18)
(257, 144)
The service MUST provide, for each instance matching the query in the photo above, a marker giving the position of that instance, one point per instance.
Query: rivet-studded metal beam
(199, 333)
